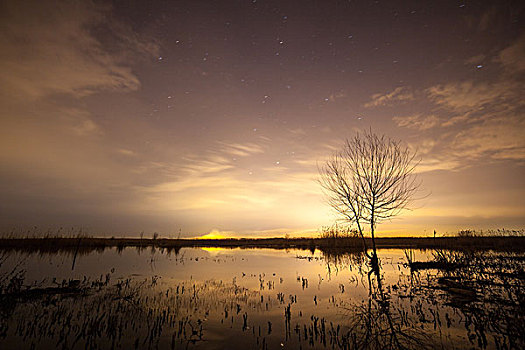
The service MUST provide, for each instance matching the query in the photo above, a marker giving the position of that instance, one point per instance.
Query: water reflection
(264, 299)
(485, 289)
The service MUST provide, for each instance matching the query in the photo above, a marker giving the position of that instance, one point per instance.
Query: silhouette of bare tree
(369, 180)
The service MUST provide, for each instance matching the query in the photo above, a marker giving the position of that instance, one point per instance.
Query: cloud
(56, 155)
(417, 121)
(78, 121)
(475, 119)
(485, 119)
(298, 132)
(64, 48)
(219, 159)
(512, 58)
(126, 152)
(240, 149)
(399, 94)
(434, 163)
(497, 139)
(239, 192)
(336, 96)
(471, 95)
(208, 166)
(286, 197)
(459, 119)
(487, 19)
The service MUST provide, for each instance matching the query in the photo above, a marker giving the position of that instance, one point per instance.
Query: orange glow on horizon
(213, 235)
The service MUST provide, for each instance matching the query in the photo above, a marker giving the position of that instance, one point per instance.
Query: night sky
(213, 116)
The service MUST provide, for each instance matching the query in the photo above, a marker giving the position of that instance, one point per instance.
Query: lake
(216, 298)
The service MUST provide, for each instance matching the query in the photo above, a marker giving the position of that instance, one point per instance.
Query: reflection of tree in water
(465, 299)
(379, 322)
(337, 260)
(382, 322)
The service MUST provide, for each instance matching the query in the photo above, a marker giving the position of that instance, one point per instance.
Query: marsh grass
(129, 314)
(336, 232)
(81, 245)
(500, 232)
(486, 287)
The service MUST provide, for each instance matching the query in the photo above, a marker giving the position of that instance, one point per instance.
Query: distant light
(160, 58)
(479, 66)
(277, 162)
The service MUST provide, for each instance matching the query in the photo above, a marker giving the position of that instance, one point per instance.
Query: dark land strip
(88, 244)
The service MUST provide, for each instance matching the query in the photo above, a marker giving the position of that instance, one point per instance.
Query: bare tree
(369, 180)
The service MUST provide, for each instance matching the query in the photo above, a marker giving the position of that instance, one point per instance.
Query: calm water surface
(260, 299)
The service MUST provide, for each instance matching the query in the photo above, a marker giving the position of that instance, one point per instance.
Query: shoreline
(76, 244)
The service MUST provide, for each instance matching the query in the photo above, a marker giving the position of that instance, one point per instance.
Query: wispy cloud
(126, 152)
(336, 96)
(476, 119)
(417, 121)
(466, 96)
(52, 147)
(63, 48)
(497, 139)
(398, 95)
(208, 166)
(513, 57)
(78, 121)
(240, 149)
(429, 164)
